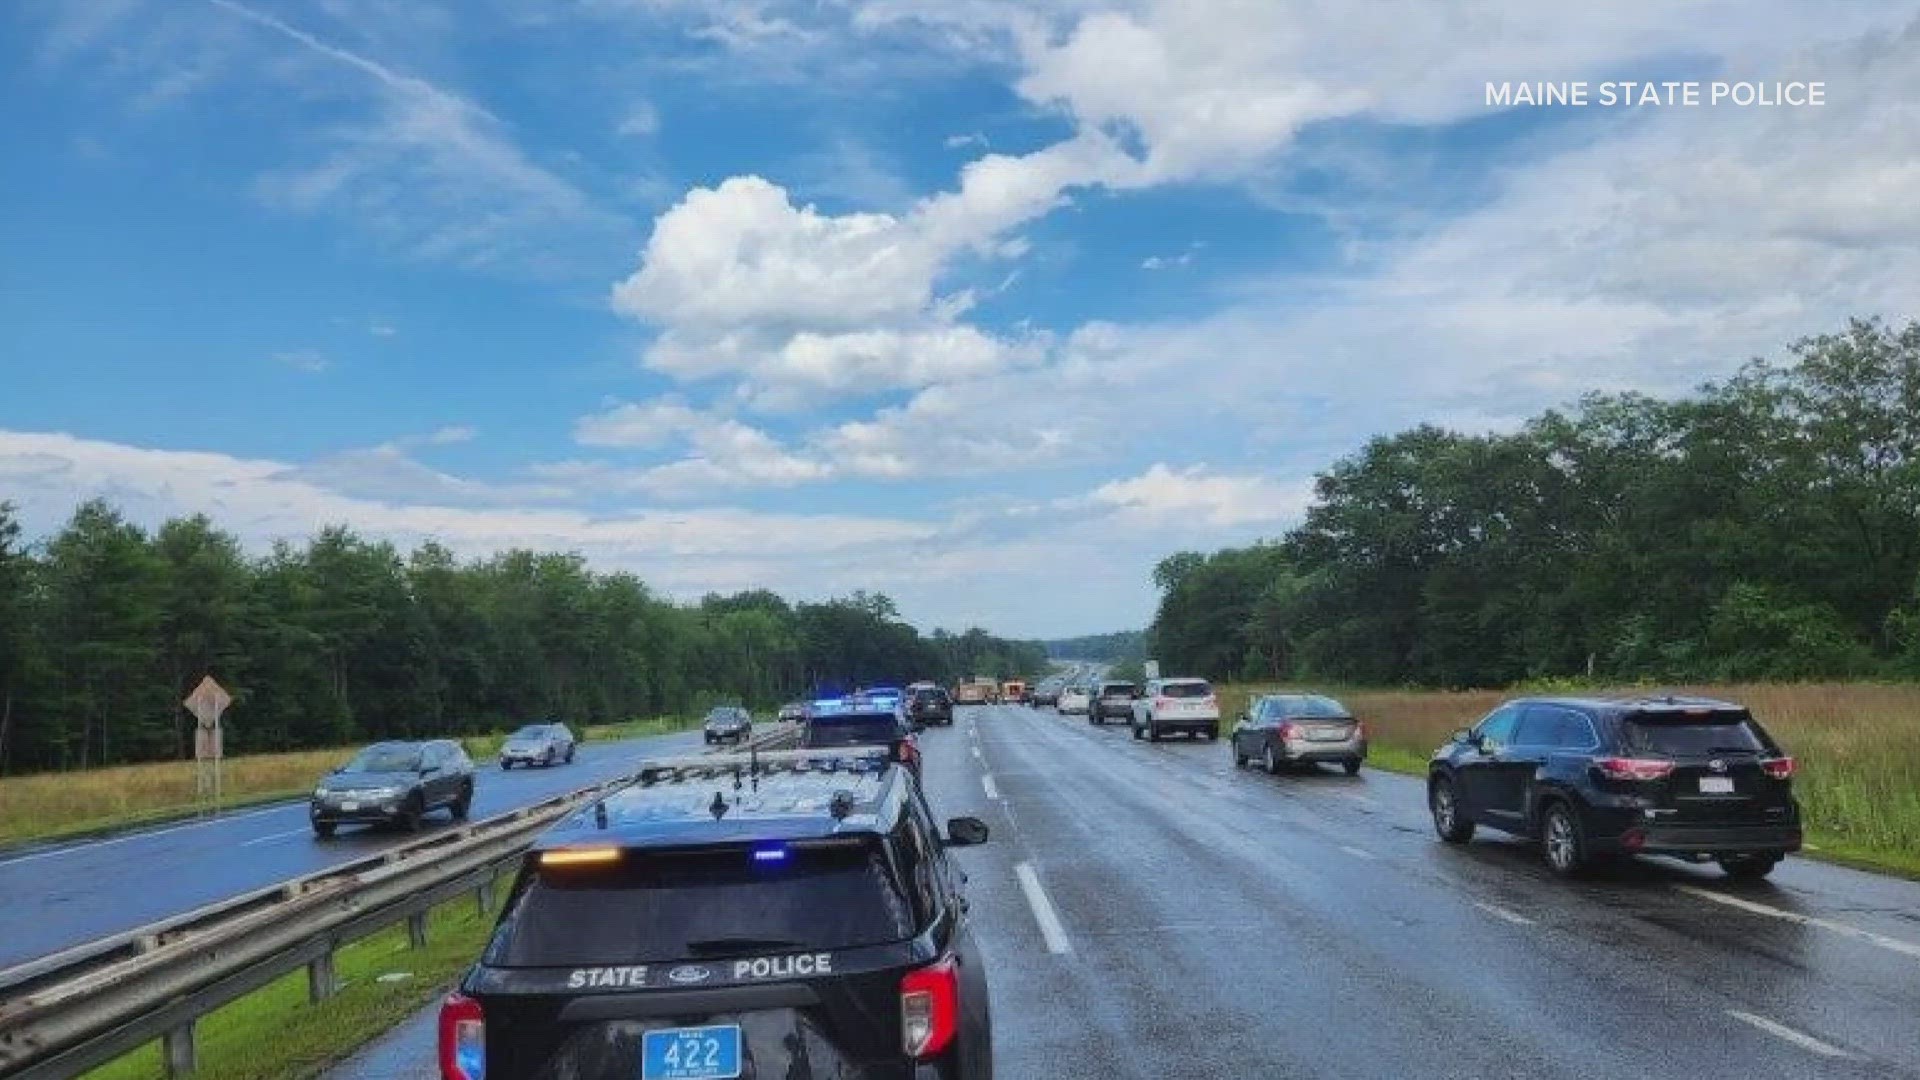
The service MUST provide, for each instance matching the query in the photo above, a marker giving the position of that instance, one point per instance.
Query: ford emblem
(690, 973)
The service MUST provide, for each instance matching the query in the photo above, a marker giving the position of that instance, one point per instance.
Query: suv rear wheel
(1447, 821)
(1560, 837)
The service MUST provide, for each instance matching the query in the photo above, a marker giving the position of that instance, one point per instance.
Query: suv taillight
(463, 1039)
(930, 1008)
(906, 752)
(1288, 731)
(1619, 768)
(1162, 702)
(1780, 768)
(1359, 729)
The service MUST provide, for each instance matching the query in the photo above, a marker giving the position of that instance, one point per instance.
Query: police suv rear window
(852, 730)
(656, 907)
(1682, 734)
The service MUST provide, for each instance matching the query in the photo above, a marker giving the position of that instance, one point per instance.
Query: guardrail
(63, 1014)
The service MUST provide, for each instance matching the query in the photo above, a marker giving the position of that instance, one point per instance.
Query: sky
(988, 306)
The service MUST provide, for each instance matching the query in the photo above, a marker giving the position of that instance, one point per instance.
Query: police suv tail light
(1620, 768)
(1780, 768)
(930, 1008)
(463, 1039)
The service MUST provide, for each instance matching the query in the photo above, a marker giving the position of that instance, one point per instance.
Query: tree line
(104, 627)
(1764, 527)
(1107, 648)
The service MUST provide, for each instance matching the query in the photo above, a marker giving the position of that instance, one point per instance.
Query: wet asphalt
(67, 894)
(1149, 911)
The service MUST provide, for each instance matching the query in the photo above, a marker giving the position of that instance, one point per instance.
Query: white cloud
(307, 361)
(641, 121)
(453, 433)
(957, 142)
(720, 453)
(383, 330)
(1193, 496)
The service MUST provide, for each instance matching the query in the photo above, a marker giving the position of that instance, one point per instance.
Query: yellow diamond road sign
(207, 702)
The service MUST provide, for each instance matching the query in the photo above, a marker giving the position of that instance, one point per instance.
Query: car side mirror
(966, 831)
(337, 770)
(1461, 735)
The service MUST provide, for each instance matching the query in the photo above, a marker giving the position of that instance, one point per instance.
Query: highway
(1149, 911)
(63, 895)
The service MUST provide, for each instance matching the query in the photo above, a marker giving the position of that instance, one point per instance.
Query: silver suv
(538, 744)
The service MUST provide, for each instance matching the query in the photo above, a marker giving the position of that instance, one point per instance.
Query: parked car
(1279, 730)
(727, 723)
(930, 705)
(1694, 778)
(538, 744)
(1174, 705)
(1073, 701)
(1112, 701)
(861, 721)
(393, 783)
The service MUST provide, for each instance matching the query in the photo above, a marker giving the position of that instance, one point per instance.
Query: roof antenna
(719, 807)
(841, 804)
(600, 815)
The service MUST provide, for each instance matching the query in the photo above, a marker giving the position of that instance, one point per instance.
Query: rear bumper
(1305, 750)
(1183, 723)
(1625, 835)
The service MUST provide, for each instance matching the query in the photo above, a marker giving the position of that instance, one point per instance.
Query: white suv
(1073, 701)
(1176, 705)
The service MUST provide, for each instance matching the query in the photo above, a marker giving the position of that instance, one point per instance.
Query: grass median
(274, 1033)
(1857, 745)
(61, 805)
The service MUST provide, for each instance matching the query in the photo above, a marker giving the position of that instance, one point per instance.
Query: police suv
(755, 915)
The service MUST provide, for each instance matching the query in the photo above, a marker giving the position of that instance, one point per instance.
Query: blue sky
(985, 305)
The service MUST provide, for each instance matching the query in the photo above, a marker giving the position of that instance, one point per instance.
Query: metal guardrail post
(483, 898)
(176, 1046)
(321, 983)
(417, 930)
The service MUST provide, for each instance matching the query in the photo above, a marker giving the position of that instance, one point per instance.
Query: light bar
(593, 856)
(769, 854)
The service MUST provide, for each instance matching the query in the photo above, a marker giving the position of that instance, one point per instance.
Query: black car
(1689, 777)
(1112, 701)
(789, 914)
(861, 721)
(727, 723)
(930, 705)
(394, 783)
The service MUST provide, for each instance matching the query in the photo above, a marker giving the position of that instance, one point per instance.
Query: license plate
(1716, 785)
(349, 806)
(702, 1053)
(1328, 735)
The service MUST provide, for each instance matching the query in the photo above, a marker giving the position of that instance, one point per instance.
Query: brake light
(930, 1008)
(1780, 768)
(1359, 729)
(463, 1039)
(1162, 702)
(1619, 768)
(1288, 730)
(906, 752)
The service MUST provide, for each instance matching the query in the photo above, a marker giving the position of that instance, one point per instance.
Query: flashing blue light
(769, 854)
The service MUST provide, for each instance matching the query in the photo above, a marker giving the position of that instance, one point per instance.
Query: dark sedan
(728, 723)
(394, 783)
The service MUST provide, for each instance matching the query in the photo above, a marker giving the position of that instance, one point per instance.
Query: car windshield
(1194, 689)
(853, 731)
(1728, 733)
(1312, 706)
(531, 731)
(386, 759)
(701, 905)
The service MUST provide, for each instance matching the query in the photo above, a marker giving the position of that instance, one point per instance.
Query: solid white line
(75, 849)
(977, 754)
(986, 782)
(1356, 852)
(1807, 1042)
(1905, 948)
(1043, 913)
(1499, 912)
(272, 837)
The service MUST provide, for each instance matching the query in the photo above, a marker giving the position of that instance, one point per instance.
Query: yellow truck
(1013, 692)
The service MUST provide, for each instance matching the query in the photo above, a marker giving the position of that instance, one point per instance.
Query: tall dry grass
(55, 804)
(1858, 747)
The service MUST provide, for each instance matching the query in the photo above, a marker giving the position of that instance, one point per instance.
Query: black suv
(1112, 701)
(788, 914)
(861, 721)
(1689, 777)
(393, 783)
(930, 705)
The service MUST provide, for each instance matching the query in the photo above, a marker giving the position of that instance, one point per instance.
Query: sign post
(207, 702)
